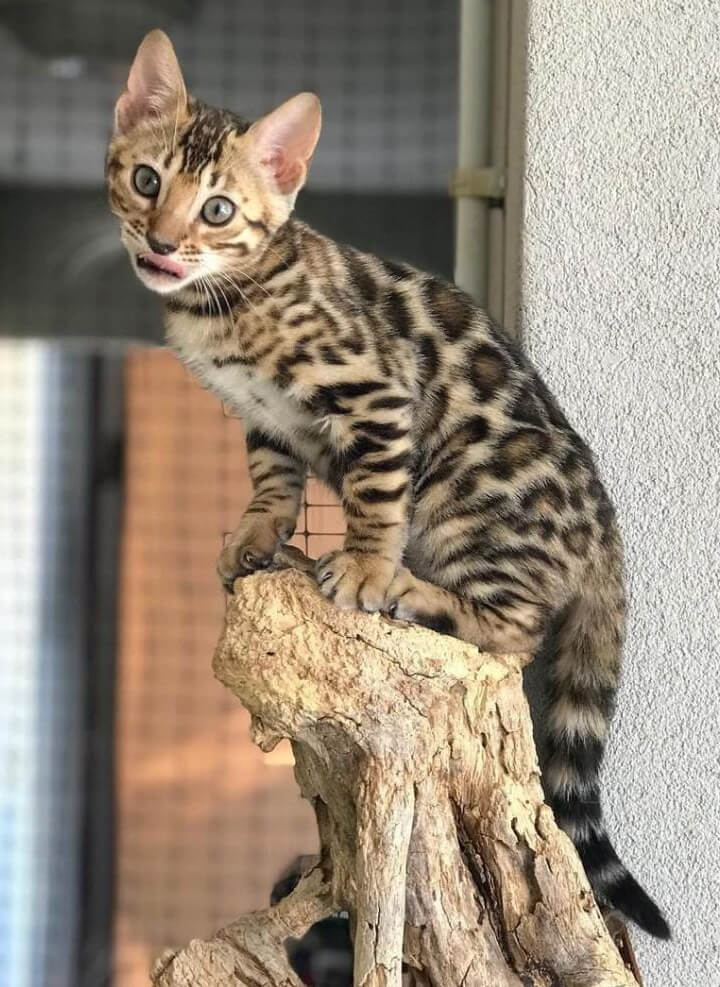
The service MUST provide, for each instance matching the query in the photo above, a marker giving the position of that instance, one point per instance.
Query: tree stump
(416, 752)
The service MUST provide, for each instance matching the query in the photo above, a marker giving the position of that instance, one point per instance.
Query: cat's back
(428, 334)
(403, 300)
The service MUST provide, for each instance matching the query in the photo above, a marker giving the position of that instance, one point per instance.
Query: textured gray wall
(618, 305)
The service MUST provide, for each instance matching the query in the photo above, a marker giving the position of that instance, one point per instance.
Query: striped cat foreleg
(499, 623)
(374, 450)
(270, 518)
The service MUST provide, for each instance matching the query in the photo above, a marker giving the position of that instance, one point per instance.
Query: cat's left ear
(155, 84)
(285, 139)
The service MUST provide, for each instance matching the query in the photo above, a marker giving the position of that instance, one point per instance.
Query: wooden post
(417, 754)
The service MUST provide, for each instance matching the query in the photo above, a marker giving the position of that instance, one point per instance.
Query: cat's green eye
(146, 181)
(218, 210)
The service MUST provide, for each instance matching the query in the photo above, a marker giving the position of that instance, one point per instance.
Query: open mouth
(159, 265)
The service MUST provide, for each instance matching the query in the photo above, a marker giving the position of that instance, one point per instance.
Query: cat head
(199, 191)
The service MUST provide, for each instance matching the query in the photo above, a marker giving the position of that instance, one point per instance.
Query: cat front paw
(404, 599)
(354, 580)
(415, 601)
(252, 547)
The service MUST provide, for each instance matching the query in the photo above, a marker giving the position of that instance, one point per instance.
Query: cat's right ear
(155, 83)
(285, 139)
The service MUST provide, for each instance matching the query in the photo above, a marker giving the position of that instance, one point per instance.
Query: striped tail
(583, 650)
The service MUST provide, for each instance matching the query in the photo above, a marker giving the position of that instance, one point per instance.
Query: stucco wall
(619, 307)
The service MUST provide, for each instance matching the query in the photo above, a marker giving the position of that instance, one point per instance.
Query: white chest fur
(257, 400)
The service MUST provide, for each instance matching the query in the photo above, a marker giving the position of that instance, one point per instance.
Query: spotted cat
(472, 506)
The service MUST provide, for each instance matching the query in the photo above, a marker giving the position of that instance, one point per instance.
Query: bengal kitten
(472, 506)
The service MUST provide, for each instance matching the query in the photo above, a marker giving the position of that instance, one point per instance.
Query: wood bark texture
(416, 752)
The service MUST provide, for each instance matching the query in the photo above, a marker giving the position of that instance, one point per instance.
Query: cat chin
(160, 283)
(162, 289)
(159, 288)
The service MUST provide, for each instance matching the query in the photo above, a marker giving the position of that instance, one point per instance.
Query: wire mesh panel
(386, 73)
(321, 524)
(205, 820)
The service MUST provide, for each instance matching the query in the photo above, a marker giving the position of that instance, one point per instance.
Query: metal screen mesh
(386, 73)
(203, 820)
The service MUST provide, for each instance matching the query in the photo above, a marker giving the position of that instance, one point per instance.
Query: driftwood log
(417, 754)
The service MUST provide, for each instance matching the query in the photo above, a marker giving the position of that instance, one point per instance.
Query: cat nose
(159, 246)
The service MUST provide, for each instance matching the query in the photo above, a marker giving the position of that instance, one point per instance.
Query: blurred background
(134, 811)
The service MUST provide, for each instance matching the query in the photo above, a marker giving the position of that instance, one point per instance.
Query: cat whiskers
(256, 283)
(214, 302)
(228, 304)
(232, 283)
(200, 282)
